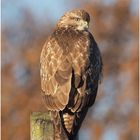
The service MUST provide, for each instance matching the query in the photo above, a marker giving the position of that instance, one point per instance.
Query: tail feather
(71, 122)
(68, 121)
(59, 133)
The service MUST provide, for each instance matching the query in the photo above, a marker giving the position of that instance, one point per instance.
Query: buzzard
(71, 67)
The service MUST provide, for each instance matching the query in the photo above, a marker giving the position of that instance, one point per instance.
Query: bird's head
(78, 19)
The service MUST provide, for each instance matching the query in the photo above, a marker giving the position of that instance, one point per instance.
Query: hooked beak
(83, 25)
(86, 25)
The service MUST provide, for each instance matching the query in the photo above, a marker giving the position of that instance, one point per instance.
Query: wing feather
(55, 73)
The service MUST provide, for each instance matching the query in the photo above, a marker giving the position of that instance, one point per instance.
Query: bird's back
(70, 70)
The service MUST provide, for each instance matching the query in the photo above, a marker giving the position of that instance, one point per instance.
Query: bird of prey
(71, 67)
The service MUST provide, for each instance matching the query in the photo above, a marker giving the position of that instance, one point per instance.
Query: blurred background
(26, 25)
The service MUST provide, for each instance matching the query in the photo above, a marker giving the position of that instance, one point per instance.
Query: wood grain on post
(42, 127)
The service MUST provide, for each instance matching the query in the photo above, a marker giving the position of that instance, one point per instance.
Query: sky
(12, 10)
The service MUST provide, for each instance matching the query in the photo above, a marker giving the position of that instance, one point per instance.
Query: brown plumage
(70, 70)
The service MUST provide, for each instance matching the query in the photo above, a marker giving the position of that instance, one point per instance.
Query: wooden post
(42, 127)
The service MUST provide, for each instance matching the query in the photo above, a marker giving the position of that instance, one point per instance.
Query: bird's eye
(77, 19)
